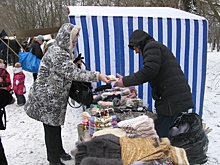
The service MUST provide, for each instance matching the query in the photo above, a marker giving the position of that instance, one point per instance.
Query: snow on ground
(23, 140)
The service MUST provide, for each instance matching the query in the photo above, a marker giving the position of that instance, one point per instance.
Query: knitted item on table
(116, 102)
(135, 122)
(94, 125)
(81, 152)
(142, 135)
(101, 161)
(141, 126)
(104, 146)
(97, 124)
(136, 126)
(178, 155)
(114, 122)
(115, 131)
(144, 149)
(112, 97)
(123, 100)
(121, 115)
(162, 161)
(105, 103)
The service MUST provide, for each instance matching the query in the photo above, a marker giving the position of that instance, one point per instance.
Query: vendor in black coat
(170, 88)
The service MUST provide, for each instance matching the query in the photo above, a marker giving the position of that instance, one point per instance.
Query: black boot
(65, 156)
(60, 163)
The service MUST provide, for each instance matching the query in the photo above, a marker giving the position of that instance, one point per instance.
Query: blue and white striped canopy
(105, 35)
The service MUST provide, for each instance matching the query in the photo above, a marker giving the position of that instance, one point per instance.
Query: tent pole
(7, 52)
(14, 37)
(9, 47)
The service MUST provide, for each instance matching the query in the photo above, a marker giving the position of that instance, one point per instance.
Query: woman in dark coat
(6, 98)
(170, 88)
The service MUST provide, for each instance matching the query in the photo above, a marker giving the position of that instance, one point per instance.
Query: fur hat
(40, 38)
(17, 65)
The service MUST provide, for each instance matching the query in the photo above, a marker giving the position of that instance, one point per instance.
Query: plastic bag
(194, 141)
(29, 62)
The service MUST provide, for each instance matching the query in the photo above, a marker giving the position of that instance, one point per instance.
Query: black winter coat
(14, 46)
(5, 97)
(170, 88)
(36, 50)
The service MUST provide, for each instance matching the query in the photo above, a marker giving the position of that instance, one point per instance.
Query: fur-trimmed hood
(66, 34)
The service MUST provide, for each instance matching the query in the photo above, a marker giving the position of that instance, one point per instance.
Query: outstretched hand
(104, 78)
(119, 83)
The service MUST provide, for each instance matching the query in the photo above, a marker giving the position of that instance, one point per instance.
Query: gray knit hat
(40, 38)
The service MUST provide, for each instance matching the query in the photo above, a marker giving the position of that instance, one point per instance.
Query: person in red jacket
(18, 84)
(5, 80)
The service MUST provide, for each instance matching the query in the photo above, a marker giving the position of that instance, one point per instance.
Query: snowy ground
(23, 140)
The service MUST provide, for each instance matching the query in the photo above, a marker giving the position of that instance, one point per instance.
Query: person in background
(5, 80)
(5, 56)
(24, 45)
(170, 88)
(48, 96)
(18, 84)
(35, 48)
(16, 48)
(48, 44)
(6, 99)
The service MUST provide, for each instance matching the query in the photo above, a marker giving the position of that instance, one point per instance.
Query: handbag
(2, 119)
(81, 92)
(29, 62)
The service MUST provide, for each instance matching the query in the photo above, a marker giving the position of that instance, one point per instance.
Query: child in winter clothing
(18, 84)
(5, 80)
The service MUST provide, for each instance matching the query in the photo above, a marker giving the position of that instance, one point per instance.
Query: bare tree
(31, 14)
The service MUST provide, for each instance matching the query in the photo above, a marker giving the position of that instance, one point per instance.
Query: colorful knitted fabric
(97, 123)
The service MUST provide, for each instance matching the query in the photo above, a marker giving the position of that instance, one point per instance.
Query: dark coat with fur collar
(170, 88)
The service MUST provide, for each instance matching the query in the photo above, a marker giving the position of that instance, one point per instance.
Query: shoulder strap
(75, 106)
(86, 65)
(81, 105)
(4, 123)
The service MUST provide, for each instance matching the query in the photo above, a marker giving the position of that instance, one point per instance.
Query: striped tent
(105, 35)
